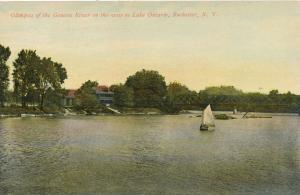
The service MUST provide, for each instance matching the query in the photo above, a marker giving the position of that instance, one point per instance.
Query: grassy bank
(19, 111)
(139, 110)
(30, 110)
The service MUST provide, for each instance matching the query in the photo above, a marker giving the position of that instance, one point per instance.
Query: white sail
(208, 117)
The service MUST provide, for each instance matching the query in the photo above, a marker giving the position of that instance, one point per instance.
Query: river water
(149, 155)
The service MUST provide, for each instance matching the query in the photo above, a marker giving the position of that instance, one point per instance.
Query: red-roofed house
(102, 88)
(68, 100)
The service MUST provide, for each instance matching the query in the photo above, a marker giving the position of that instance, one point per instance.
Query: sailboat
(207, 119)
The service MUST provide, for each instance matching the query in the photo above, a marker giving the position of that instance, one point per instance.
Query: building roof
(102, 88)
(99, 89)
(71, 93)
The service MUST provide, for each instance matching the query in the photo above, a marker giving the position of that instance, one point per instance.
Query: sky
(254, 46)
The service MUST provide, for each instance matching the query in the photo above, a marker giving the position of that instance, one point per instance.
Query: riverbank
(36, 112)
(30, 111)
(19, 111)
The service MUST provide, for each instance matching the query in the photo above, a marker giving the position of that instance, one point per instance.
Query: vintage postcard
(138, 97)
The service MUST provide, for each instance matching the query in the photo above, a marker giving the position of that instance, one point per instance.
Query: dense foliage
(255, 102)
(222, 90)
(179, 96)
(86, 98)
(50, 76)
(4, 73)
(123, 95)
(34, 76)
(149, 88)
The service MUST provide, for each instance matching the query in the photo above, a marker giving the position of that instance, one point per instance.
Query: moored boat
(28, 115)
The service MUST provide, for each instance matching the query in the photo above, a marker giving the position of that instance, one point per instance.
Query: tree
(273, 92)
(61, 73)
(85, 96)
(53, 100)
(49, 75)
(149, 88)
(123, 95)
(45, 78)
(4, 72)
(33, 75)
(178, 96)
(25, 73)
(274, 96)
(177, 93)
(222, 90)
(289, 98)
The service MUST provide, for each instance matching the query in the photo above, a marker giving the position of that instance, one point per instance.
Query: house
(104, 95)
(102, 92)
(69, 98)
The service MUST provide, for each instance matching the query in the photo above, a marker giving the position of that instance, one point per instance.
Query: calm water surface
(149, 155)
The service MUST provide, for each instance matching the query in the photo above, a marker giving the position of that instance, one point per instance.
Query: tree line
(36, 80)
(148, 89)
